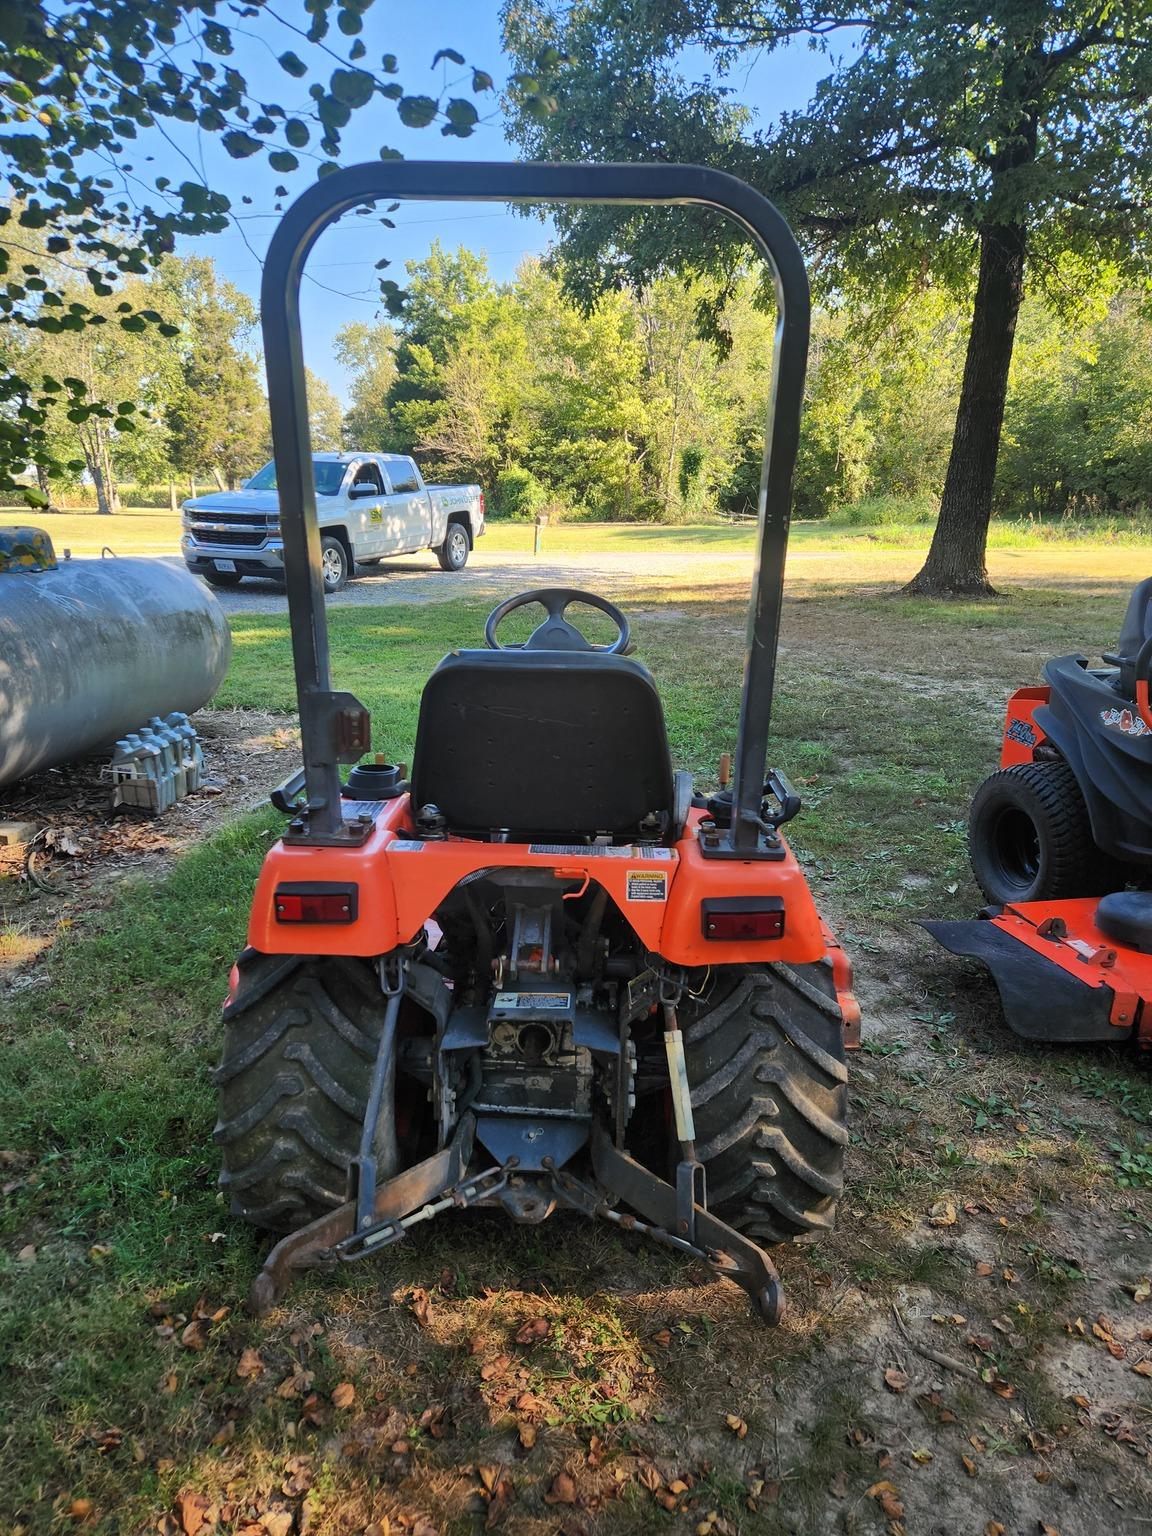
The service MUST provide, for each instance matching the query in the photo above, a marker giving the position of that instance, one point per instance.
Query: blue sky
(341, 268)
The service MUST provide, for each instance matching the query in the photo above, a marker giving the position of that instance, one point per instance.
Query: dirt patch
(84, 849)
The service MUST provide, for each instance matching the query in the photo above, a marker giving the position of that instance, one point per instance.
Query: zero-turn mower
(541, 972)
(1055, 837)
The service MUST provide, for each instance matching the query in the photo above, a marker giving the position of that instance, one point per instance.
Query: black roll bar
(333, 726)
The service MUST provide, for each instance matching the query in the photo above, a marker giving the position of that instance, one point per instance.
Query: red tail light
(319, 903)
(740, 918)
(483, 506)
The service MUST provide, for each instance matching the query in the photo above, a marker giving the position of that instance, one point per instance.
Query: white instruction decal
(509, 1000)
(402, 845)
(647, 885)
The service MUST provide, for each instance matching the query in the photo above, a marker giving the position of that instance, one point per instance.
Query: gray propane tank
(92, 649)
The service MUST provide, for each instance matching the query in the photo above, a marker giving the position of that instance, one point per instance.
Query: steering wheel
(555, 633)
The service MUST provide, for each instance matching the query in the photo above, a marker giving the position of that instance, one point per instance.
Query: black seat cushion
(1137, 627)
(543, 743)
(1126, 916)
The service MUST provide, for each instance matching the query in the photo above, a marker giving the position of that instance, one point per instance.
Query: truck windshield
(326, 475)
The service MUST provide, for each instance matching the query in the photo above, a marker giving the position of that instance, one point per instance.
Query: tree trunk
(957, 563)
(172, 507)
(219, 479)
(44, 484)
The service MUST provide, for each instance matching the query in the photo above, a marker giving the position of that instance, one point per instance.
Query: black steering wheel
(555, 633)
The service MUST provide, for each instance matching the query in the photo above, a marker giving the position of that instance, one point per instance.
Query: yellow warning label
(647, 885)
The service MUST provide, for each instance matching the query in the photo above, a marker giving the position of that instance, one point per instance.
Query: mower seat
(1126, 917)
(1137, 628)
(545, 744)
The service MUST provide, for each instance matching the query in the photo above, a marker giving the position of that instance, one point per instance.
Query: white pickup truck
(370, 506)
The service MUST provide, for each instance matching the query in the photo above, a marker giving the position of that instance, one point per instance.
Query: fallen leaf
(1143, 1368)
(292, 1386)
(969, 1466)
(250, 1365)
(942, 1214)
(895, 1380)
(226, 1433)
(527, 1434)
(278, 1522)
(195, 1335)
(27, 1254)
(563, 1490)
(80, 1509)
(886, 1495)
(344, 1395)
(533, 1330)
(923, 1456)
(495, 1367)
(420, 1306)
(736, 1425)
(647, 1474)
(193, 1508)
(662, 1337)
(993, 1528)
(1141, 1290)
(984, 1269)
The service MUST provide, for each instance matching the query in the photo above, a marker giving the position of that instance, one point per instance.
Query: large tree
(217, 415)
(987, 148)
(84, 84)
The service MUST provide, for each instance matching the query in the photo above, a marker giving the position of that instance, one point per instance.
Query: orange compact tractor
(1057, 835)
(542, 971)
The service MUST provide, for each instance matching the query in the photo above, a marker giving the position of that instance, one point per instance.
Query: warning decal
(405, 845)
(647, 885)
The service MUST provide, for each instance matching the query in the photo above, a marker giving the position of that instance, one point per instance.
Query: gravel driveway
(418, 579)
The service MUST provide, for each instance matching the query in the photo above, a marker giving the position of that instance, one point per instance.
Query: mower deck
(1059, 977)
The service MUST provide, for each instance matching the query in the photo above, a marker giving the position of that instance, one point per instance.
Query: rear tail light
(740, 918)
(483, 506)
(319, 903)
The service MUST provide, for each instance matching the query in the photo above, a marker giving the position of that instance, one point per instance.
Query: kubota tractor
(1055, 837)
(542, 971)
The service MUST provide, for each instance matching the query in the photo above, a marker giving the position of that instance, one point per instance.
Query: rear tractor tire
(769, 1085)
(1030, 838)
(299, 1047)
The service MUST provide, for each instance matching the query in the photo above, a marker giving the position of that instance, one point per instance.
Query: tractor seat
(545, 744)
(1126, 917)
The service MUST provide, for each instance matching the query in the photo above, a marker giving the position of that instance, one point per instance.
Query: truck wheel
(222, 578)
(335, 563)
(1030, 839)
(293, 1083)
(770, 1099)
(453, 553)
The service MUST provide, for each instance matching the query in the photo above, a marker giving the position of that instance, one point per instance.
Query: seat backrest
(547, 744)
(1137, 627)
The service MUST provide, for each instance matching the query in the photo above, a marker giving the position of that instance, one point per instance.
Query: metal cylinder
(94, 648)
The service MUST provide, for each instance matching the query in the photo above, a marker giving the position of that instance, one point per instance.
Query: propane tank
(92, 649)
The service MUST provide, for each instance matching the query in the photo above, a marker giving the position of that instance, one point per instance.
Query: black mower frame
(334, 725)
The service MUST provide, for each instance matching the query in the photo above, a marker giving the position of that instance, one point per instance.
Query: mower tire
(1030, 838)
(766, 1066)
(299, 1046)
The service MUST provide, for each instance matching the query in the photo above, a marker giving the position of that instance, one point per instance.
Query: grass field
(143, 531)
(1000, 1195)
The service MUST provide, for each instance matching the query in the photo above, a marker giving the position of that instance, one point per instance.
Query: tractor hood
(235, 501)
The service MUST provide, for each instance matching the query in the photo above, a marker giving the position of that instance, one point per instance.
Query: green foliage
(79, 83)
(517, 494)
(1015, 138)
(217, 417)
